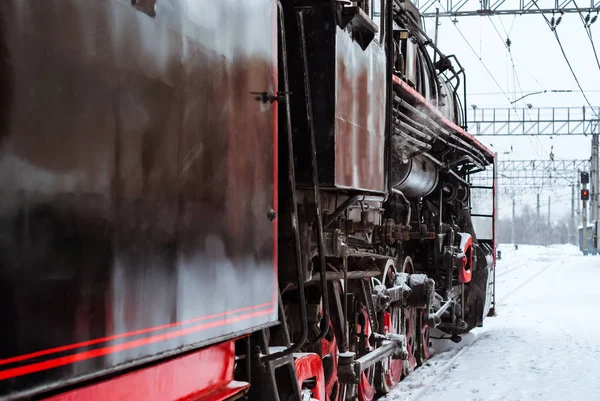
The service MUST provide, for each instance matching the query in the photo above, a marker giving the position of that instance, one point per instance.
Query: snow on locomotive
(205, 200)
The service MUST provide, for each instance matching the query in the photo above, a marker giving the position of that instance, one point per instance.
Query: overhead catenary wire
(507, 43)
(522, 94)
(542, 91)
(574, 75)
(552, 27)
(539, 149)
(517, 84)
(479, 58)
(454, 23)
(586, 25)
(589, 32)
(558, 199)
(506, 47)
(511, 25)
(507, 94)
(482, 63)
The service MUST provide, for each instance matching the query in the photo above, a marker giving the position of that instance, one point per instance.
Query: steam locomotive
(212, 200)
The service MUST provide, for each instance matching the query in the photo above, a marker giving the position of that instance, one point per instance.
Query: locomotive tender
(210, 200)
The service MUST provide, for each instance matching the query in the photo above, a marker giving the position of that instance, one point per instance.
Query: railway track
(432, 375)
(523, 284)
(519, 266)
(508, 271)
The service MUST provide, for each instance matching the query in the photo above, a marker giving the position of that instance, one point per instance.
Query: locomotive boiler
(212, 200)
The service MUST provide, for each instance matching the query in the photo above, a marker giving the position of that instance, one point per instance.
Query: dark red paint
(359, 114)
(203, 375)
(465, 271)
(123, 335)
(392, 367)
(82, 356)
(309, 366)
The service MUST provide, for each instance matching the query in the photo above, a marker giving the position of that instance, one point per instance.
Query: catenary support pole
(512, 234)
(584, 236)
(548, 235)
(572, 224)
(594, 179)
(578, 200)
(538, 222)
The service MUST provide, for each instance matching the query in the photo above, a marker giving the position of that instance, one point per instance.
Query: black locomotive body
(207, 199)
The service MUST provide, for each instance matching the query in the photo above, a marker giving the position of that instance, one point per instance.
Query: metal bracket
(269, 97)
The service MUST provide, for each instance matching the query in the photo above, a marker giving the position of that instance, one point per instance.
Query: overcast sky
(539, 65)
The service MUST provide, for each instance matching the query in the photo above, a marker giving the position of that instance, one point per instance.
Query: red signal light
(585, 194)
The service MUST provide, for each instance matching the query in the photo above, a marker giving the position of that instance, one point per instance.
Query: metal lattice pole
(461, 8)
(573, 228)
(538, 221)
(594, 179)
(512, 233)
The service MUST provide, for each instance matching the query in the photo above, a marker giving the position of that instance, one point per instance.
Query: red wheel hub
(424, 352)
(391, 368)
(329, 353)
(365, 390)
(410, 320)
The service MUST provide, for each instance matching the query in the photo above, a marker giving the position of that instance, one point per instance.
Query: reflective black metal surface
(136, 181)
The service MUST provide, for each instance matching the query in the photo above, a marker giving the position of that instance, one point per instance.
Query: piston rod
(350, 369)
(434, 319)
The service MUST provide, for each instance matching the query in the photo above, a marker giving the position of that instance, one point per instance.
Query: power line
(558, 199)
(506, 47)
(573, 72)
(498, 32)
(522, 94)
(530, 74)
(478, 56)
(552, 25)
(482, 63)
(507, 44)
(511, 25)
(586, 25)
(494, 78)
(463, 8)
(517, 92)
(589, 32)
(504, 28)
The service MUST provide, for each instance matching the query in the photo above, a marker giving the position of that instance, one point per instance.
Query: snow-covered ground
(542, 345)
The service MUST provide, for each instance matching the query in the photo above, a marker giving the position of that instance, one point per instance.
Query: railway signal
(585, 194)
(585, 177)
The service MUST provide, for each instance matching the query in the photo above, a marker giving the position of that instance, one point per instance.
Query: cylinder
(416, 178)
(454, 191)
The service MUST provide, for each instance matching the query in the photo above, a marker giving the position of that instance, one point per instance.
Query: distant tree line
(528, 229)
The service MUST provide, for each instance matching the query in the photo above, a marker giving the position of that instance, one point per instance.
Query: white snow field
(542, 345)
